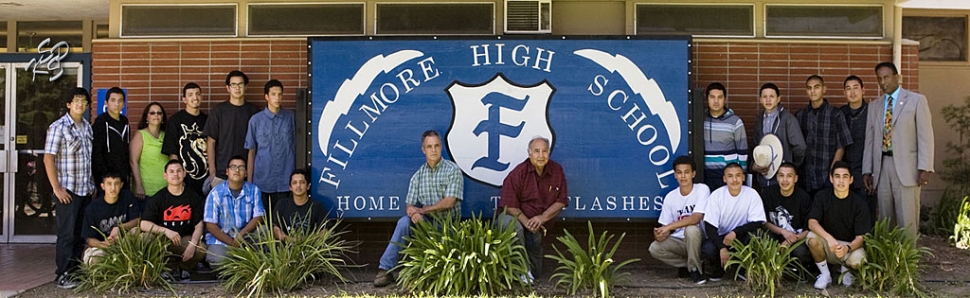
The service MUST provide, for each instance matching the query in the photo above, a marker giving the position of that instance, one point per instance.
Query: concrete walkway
(25, 266)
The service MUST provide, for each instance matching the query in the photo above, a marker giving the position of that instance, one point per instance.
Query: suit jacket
(912, 137)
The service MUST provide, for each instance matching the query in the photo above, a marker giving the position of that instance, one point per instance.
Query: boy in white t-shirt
(732, 212)
(678, 241)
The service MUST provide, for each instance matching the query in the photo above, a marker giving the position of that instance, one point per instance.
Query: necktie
(887, 130)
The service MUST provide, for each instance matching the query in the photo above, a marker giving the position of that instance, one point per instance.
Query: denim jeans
(391, 254)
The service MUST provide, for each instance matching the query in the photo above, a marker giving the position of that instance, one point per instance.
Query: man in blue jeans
(67, 159)
(436, 187)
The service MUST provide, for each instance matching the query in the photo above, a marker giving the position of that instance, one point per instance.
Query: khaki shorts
(91, 255)
(852, 259)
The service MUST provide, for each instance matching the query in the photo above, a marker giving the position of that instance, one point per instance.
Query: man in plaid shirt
(67, 158)
(826, 136)
(436, 187)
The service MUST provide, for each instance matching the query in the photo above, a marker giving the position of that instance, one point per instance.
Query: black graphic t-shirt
(101, 217)
(789, 213)
(177, 213)
(288, 216)
(184, 137)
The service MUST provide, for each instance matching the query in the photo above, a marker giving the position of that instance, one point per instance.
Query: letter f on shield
(493, 124)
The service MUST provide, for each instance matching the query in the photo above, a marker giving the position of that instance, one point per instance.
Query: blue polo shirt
(272, 136)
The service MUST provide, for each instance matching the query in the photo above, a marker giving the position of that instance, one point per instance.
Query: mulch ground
(946, 273)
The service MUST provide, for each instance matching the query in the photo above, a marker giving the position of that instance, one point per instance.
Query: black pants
(712, 255)
(801, 252)
(69, 219)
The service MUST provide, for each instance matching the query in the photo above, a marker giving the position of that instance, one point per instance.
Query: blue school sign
(615, 110)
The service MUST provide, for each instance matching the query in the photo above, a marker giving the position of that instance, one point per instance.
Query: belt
(887, 153)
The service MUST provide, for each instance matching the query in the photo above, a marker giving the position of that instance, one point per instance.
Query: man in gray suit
(898, 156)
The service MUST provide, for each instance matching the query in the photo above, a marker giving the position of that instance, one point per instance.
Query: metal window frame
(363, 18)
(235, 27)
(882, 27)
(754, 21)
(378, 17)
(505, 20)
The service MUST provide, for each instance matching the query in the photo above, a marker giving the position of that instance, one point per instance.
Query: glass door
(4, 155)
(31, 104)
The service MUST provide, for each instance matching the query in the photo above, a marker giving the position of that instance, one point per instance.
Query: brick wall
(157, 70)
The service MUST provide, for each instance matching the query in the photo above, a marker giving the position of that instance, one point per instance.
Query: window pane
(831, 21)
(3, 37)
(940, 38)
(188, 20)
(434, 19)
(31, 34)
(696, 19)
(306, 19)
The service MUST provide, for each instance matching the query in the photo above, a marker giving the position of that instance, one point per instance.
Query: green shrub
(447, 256)
(266, 266)
(892, 262)
(961, 229)
(957, 166)
(135, 260)
(944, 216)
(592, 268)
(765, 262)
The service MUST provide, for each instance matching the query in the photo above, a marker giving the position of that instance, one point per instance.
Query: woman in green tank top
(147, 160)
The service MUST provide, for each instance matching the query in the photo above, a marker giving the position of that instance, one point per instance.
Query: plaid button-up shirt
(825, 132)
(70, 143)
(428, 186)
(232, 213)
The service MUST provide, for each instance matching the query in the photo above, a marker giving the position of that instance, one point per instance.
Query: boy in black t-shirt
(176, 211)
(839, 219)
(107, 214)
(299, 212)
(786, 208)
(184, 139)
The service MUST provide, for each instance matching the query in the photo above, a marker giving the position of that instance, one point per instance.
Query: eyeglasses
(237, 85)
(237, 167)
(79, 101)
(155, 113)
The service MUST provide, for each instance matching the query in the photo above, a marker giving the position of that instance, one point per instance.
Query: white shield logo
(493, 124)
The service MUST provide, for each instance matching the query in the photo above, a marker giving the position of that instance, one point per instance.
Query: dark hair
(771, 86)
(429, 133)
(190, 85)
(733, 165)
(887, 64)
(272, 83)
(235, 157)
(715, 86)
(171, 162)
(684, 160)
(114, 175)
(852, 78)
(815, 77)
(143, 123)
(77, 91)
(300, 172)
(116, 90)
(790, 166)
(840, 165)
(237, 73)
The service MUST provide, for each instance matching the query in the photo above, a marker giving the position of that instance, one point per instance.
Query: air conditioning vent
(525, 16)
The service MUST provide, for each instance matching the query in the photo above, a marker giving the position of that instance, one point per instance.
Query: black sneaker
(697, 277)
(682, 273)
(66, 281)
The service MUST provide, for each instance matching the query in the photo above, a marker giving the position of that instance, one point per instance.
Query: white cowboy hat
(769, 154)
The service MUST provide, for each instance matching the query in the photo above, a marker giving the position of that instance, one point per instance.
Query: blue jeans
(391, 254)
(531, 241)
(69, 219)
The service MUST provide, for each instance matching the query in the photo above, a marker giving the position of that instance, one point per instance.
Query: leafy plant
(961, 229)
(266, 266)
(892, 262)
(135, 260)
(592, 268)
(765, 261)
(450, 257)
(944, 216)
(957, 166)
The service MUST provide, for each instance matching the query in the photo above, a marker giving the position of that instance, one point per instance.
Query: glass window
(823, 21)
(709, 20)
(3, 36)
(306, 19)
(940, 38)
(449, 18)
(31, 34)
(178, 20)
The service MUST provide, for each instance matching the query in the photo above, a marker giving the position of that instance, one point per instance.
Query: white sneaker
(823, 281)
(848, 279)
(527, 278)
